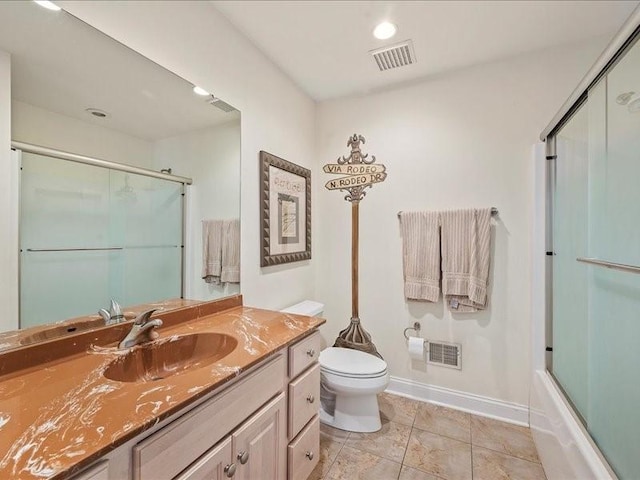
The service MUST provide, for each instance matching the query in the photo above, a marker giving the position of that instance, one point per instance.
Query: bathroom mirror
(76, 90)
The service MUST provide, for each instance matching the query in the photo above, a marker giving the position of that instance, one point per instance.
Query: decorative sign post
(358, 173)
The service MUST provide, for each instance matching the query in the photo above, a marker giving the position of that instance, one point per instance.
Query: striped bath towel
(420, 255)
(230, 271)
(466, 238)
(211, 251)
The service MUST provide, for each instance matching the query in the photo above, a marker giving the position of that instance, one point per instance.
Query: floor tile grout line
(442, 435)
(406, 447)
(363, 449)
(336, 457)
(376, 455)
(509, 455)
(326, 475)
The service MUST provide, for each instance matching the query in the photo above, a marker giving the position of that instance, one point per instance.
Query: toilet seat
(352, 376)
(346, 362)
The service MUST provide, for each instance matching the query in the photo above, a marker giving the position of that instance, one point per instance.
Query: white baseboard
(468, 402)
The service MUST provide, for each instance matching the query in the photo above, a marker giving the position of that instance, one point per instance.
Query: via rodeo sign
(359, 171)
(361, 175)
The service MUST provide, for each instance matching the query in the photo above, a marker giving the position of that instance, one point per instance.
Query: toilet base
(358, 413)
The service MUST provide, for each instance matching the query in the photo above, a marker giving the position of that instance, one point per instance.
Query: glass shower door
(146, 219)
(64, 256)
(614, 356)
(89, 234)
(596, 310)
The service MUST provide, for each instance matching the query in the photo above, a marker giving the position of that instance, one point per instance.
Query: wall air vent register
(444, 354)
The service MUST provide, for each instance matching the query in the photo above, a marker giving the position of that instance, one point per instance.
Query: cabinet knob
(311, 352)
(311, 399)
(243, 457)
(309, 455)
(230, 470)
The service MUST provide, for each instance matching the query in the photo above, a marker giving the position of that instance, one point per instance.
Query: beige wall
(458, 140)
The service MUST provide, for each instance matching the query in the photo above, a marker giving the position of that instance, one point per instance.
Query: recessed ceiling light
(96, 112)
(200, 91)
(48, 5)
(385, 30)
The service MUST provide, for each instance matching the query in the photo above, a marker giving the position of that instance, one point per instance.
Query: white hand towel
(420, 255)
(230, 251)
(211, 251)
(466, 238)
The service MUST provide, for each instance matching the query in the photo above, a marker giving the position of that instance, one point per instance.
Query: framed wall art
(285, 211)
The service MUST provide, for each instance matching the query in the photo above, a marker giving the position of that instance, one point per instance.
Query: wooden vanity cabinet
(263, 426)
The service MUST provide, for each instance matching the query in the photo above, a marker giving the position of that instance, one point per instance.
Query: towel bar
(494, 212)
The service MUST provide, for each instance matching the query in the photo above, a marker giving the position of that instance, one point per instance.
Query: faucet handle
(144, 317)
(113, 315)
(105, 315)
(115, 310)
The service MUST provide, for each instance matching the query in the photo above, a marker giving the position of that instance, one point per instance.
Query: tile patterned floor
(421, 441)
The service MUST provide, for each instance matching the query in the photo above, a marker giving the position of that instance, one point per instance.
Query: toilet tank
(307, 307)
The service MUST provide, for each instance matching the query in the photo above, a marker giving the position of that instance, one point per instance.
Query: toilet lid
(347, 361)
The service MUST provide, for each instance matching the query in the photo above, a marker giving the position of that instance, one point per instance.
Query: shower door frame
(628, 35)
(18, 148)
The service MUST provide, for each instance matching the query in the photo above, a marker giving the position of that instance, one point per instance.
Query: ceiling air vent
(224, 106)
(394, 56)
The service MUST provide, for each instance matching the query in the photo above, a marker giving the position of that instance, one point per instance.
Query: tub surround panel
(58, 416)
(565, 449)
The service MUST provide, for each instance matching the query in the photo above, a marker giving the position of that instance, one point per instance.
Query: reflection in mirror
(88, 233)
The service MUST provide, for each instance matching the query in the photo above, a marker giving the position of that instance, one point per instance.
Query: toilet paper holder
(416, 328)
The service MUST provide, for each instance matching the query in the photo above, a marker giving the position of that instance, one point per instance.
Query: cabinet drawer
(304, 353)
(304, 399)
(197, 431)
(304, 451)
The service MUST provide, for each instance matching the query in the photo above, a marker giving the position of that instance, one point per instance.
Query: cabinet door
(97, 472)
(216, 464)
(259, 445)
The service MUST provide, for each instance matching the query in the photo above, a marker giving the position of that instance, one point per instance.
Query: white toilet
(350, 382)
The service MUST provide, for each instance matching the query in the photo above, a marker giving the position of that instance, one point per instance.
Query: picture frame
(285, 211)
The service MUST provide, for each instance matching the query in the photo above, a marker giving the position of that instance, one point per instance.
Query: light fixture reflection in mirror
(62, 71)
(48, 5)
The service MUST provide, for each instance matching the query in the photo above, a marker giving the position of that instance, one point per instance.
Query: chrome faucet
(142, 330)
(114, 315)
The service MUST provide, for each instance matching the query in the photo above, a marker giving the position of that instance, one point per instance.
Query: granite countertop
(57, 417)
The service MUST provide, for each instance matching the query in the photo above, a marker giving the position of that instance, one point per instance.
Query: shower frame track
(97, 162)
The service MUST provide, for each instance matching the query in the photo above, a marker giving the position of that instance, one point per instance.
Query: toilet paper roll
(416, 348)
